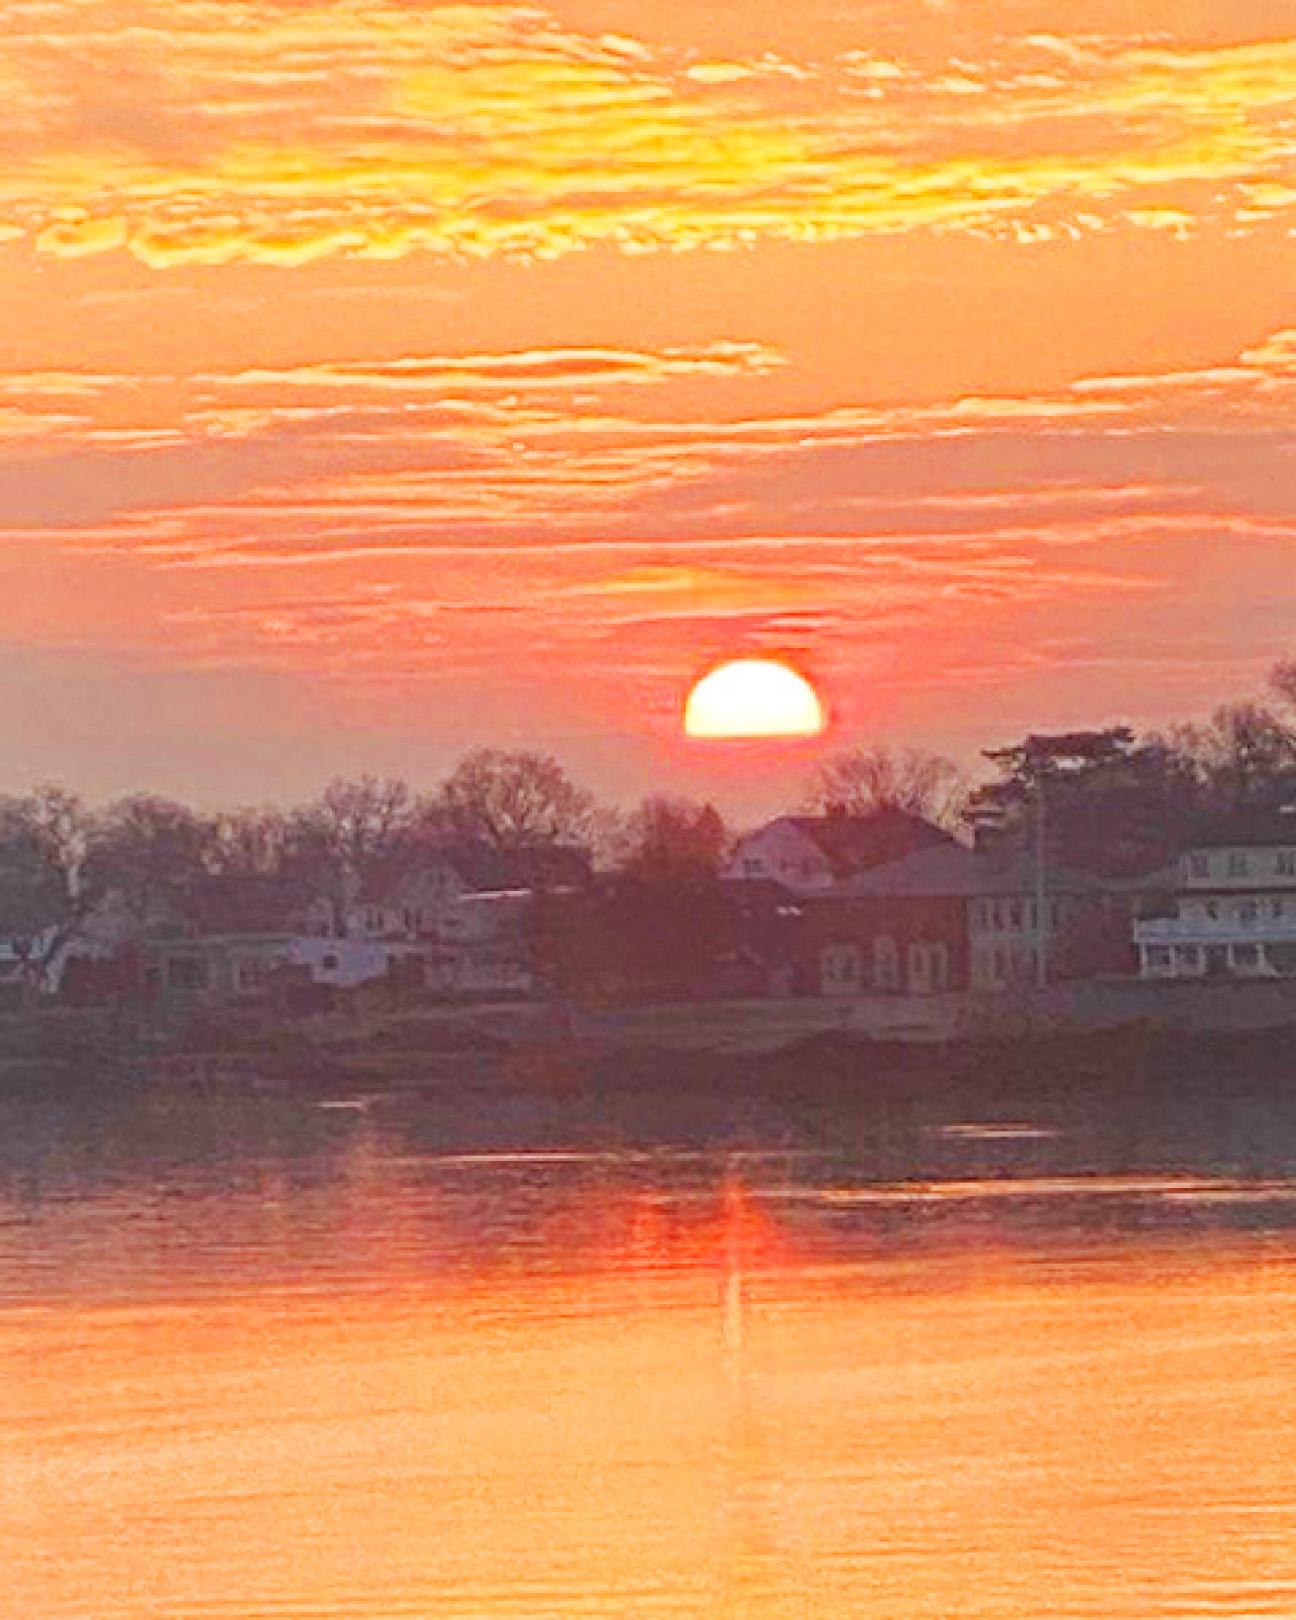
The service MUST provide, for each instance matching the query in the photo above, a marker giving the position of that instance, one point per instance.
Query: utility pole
(1041, 883)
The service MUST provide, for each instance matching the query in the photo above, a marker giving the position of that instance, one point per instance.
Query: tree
(248, 843)
(1113, 803)
(513, 799)
(149, 851)
(358, 830)
(44, 896)
(1282, 682)
(674, 840)
(1248, 754)
(860, 780)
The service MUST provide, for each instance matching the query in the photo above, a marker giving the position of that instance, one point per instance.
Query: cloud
(492, 130)
(524, 369)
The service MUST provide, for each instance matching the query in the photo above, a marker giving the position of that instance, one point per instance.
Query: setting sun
(753, 697)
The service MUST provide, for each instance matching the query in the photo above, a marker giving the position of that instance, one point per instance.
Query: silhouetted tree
(357, 830)
(513, 799)
(148, 851)
(36, 909)
(1248, 756)
(1113, 804)
(674, 840)
(860, 780)
(249, 843)
(1282, 682)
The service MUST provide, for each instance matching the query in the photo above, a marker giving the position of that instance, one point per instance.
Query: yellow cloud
(488, 130)
(72, 238)
(520, 369)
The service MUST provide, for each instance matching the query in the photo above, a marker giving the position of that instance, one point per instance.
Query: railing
(1203, 930)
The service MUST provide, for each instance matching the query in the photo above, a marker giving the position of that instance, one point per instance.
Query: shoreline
(467, 1054)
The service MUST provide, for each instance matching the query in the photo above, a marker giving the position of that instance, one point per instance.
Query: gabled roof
(853, 844)
(1255, 828)
(954, 871)
(484, 869)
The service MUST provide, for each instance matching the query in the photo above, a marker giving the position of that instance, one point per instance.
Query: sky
(381, 380)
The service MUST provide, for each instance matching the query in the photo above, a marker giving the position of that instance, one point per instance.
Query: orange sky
(379, 379)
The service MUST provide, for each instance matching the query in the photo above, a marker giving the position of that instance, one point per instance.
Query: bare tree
(673, 839)
(248, 843)
(45, 837)
(514, 799)
(149, 851)
(357, 829)
(1282, 682)
(860, 780)
(1248, 755)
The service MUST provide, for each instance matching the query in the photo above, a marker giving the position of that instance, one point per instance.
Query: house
(950, 918)
(76, 951)
(811, 854)
(409, 901)
(485, 945)
(223, 969)
(1234, 904)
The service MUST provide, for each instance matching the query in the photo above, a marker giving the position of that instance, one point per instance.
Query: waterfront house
(811, 854)
(950, 918)
(413, 899)
(1233, 911)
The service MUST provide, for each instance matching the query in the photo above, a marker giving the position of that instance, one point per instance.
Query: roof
(856, 843)
(1254, 828)
(483, 868)
(954, 871)
(236, 903)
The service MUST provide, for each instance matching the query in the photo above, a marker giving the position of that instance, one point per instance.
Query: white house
(1235, 904)
(810, 854)
(485, 945)
(412, 902)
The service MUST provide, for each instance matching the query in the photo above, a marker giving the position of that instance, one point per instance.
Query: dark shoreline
(71, 1053)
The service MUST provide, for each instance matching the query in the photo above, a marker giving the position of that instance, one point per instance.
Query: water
(267, 1361)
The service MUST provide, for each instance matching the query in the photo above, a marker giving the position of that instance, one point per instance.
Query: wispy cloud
(493, 129)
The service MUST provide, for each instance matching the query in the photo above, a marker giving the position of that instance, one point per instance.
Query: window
(1248, 913)
(187, 973)
(840, 968)
(1246, 958)
(1199, 866)
(329, 961)
(751, 865)
(886, 963)
(251, 974)
(1213, 910)
(1239, 865)
(1282, 958)
(1285, 863)
(1159, 959)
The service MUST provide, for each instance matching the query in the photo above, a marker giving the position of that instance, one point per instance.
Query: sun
(753, 697)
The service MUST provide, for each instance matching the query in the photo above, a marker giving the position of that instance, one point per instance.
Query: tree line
(1118, 802)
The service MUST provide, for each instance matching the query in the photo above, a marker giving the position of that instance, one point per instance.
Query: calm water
(260, 1360)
